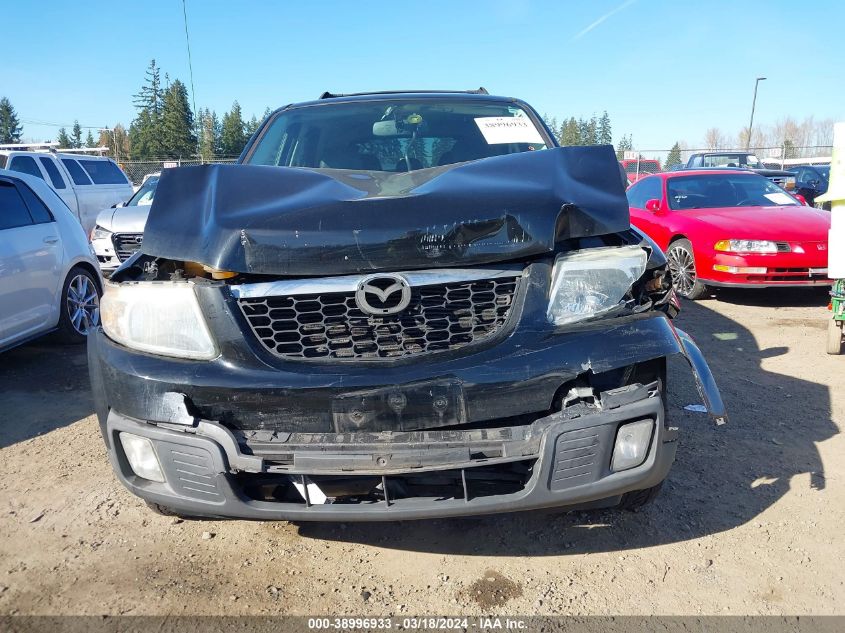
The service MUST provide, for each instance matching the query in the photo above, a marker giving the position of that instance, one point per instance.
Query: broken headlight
(589, 282)
(157, 317)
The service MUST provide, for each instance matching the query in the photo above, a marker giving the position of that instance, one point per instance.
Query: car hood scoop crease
(297, 221)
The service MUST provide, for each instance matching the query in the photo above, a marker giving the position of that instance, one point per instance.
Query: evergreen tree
(233, 137)
(625, 144)
(177, 123)
(674, 157)
(10, 126)
(145, 131)
(209, 136)
(569, 133)
(604, 135)
(76, 136)
(89, 140)
(252, 126)
(63, 139)
(789, 150)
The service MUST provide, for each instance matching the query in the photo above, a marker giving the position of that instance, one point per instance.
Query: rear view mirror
(652, 205)
(385, 128)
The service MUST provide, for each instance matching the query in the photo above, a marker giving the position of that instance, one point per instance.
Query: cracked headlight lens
(589, 282)
(157, 317)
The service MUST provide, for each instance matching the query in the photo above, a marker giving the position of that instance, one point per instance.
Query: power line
(49, 124)
(190, 66)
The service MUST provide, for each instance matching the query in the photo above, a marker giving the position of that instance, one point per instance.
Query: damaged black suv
(396, 306)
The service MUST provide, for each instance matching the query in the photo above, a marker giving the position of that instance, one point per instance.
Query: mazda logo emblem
(384, 293)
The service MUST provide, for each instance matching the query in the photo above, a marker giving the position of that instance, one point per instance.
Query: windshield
(725, 190)
(733, 160)
(144, 196)
(394, 135)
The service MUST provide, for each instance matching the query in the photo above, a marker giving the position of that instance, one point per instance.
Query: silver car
(48, 274)
(120, 229)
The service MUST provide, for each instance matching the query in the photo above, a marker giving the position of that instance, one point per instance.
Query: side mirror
(118, 205)
(801, 199)
(652, 205)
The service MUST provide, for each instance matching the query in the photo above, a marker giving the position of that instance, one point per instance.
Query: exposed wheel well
(675, 238)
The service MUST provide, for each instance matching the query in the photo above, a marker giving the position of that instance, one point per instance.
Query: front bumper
(799, 269)
(226, 428)
(567, 458)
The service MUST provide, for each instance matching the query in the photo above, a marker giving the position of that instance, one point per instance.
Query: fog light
(142, 457)
(740, 270)
(631, 447)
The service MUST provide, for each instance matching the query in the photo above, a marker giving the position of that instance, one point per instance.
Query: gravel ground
(749, 521)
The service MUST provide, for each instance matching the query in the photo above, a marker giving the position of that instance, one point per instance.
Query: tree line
(165, 126)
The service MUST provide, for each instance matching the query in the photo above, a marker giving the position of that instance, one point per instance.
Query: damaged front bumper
(226, 451)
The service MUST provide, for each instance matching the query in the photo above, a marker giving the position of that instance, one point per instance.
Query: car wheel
(80, 306)
(834, 337)
(681, 259)
(638, 498)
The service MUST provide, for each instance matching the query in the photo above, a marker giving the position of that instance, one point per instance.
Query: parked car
(811, 181)
(742, 160)
(730, 228)
(87, 184)
(118, 231)
(640, 168)
(49, 278)
(393, 308)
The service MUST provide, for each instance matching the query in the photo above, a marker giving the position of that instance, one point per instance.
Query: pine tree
(63, 139)
(177, 123)
(674, 157)
(252, 126)
(604, 136)
(76, 136)
(10, 126)
(209, 135)
(625, 144)
(569, 133)
(89, 140)
(232, 137)
(145, 131)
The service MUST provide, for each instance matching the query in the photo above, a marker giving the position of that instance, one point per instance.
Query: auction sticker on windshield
(779, 198)
(506, 129)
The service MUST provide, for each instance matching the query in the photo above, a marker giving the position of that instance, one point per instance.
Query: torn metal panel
(292, 221)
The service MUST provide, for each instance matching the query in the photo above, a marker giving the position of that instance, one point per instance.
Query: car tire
(80, 306)
(681, 259)
(834, 337)
(636, 499)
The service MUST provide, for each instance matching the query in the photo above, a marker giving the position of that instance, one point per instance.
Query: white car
(48, 275)
(118, 231)
(87, 184)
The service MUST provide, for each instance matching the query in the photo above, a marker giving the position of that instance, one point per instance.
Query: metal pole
(753, 105)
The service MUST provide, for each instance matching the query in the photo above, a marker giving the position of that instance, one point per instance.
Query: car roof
(707, 171)
(432, 95)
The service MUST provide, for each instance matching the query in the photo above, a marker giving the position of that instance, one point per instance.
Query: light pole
(753, 104)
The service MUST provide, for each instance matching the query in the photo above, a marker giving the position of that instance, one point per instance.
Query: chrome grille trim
(126, 244)
(348, 283)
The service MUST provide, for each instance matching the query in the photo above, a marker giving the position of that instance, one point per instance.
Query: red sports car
(730, 227)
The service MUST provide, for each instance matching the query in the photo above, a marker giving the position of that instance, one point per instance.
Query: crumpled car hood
(296, 221)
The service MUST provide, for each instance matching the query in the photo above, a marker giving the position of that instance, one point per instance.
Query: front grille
(126, 244)
(440, 317)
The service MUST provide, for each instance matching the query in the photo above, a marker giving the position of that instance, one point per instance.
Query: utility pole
(753, 105)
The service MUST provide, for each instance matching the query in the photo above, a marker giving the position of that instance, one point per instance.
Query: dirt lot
(750, 520)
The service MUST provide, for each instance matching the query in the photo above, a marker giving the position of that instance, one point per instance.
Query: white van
(87, 184)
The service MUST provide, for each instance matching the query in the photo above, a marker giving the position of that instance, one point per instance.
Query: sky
(664, 71)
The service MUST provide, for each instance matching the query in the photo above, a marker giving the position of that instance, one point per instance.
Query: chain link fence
(640, 162)
(137, 170)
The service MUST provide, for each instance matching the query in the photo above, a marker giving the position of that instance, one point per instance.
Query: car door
(110, 187)
(30, 263)
(649, 222)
